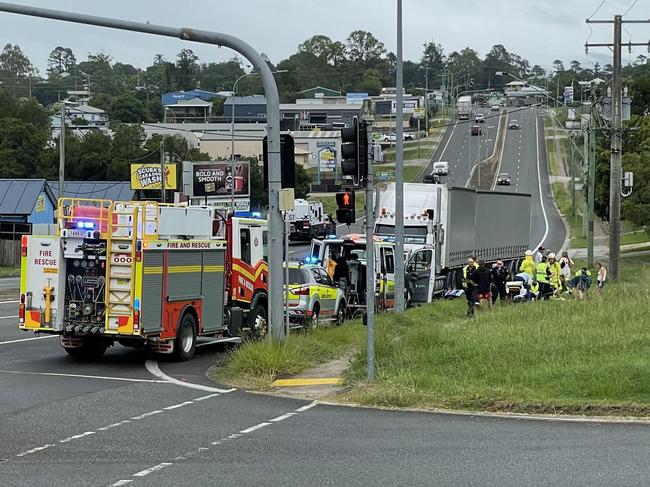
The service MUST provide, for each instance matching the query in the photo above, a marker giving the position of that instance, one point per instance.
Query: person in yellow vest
(555, 277)
(468, 287)
(528, 264)
(542, 274)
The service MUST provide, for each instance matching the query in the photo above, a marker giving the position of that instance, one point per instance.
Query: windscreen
(297, 276)
(412, 234)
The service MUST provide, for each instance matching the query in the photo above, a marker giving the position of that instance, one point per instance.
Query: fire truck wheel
(259, 323)
(185, 342)
(90, 349)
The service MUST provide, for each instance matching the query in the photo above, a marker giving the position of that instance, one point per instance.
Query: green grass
(410, 153)
(258, 364)
(410, 171)
(553, 167)
(9, 271)
(584, 357)
(563, 201)
(638, 236)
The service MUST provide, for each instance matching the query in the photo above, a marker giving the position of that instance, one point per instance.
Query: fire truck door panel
(43, 266)
(152, 290)
(184, 274)
(212, 286)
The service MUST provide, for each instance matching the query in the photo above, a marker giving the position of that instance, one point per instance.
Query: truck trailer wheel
(91, 349)
(185, 341)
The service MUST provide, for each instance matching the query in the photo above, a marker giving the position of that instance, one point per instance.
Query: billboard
(568, 94)
(147, 176)
(216, 178)
(326, 155)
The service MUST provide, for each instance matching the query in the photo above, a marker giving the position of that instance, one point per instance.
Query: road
(69, 422)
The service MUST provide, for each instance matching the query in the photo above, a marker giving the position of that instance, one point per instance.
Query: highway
(113, 422)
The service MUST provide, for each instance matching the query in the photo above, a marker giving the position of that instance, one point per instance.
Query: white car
(440, 168)
(480, 118)
(392, 137)
(494, 108)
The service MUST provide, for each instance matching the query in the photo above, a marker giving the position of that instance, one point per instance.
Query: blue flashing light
(311, 260)
(256, 214)
(332, 236)
(136, 304)
(86, 225)
(248, 214)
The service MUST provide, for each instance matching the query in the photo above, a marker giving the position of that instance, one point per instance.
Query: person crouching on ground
(482, 279)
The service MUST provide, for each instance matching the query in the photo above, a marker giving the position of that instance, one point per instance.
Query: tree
(433, 55)
(324, 48)
(364, 49)
(537, 71)
(576, 67)
(467, 66)
(558, 65)
(371, 83)
(187, 68)
(128, 109)
(14, 63)
(60, 60)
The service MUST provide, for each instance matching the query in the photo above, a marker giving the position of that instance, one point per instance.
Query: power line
(631, 7)
(599, 7)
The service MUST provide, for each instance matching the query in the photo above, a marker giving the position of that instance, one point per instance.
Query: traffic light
(346, 209)
(354, 150)
(287, 159)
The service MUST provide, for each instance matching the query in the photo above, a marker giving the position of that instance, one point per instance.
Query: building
(188, 106)
(247, 109)
(102, 190)
(307, 116)
(82, 116)
(23, 203)
(318, 92)
(217, 142)
(520, 93)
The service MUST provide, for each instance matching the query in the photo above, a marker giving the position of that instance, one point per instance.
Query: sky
(539, 30)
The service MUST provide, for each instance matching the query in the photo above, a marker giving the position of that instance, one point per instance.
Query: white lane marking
(82, 376)
(308, 406)
(180, 405)
(146, 415)
(34, 450)
(539, 182)
(9, 302)
(27, 339)
(8, 317)
(282, 418)
(121, 482)
(442, 155)
(111, 426)
(203, 398)
(76, 437)
(147, 471)
(152, 367)
(254, 428)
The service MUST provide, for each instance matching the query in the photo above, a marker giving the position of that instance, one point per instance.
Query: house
(306, 116)
(81, 115)
(247, 109)
(318, 92)
(188, 106)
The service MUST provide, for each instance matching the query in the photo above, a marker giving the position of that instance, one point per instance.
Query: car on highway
(392, 137)
(513, 125)
(440, 168)
(431, 179)
(494, 108)
(480, 118)
(503, 179)
(476, 130)
(313, 297)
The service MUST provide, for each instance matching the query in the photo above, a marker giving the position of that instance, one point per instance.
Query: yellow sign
(39, 207)
(147, 176)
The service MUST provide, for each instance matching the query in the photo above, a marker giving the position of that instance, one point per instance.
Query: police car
(313, 297)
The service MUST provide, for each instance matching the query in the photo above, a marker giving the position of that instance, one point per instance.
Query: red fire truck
(141, 273)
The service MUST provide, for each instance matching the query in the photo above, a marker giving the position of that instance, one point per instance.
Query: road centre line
(9, 302)
(83, 376)
(27, 339)
(152, 367)
(8, 317)
(110, 426)
(201, 449)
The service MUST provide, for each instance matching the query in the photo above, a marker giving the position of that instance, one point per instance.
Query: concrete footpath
(319, 382)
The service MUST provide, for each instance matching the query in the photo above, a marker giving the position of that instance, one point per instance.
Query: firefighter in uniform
(542, 278)
(555, 270)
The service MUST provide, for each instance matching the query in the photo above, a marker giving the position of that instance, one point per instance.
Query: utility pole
(426, 102)
(370, 262)
(399, 174)
(591, 188)
(62, 151)
(162, 170)
(573, 184)
(616, 138)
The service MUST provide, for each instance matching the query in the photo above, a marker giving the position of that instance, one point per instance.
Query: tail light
(23, 246)
(136, 319)
(21, 309)
(301, 291)
(138, 251)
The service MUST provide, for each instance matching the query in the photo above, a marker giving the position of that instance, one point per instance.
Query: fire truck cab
(141, 273)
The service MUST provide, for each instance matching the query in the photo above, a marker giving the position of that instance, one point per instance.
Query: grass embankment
(585, 357)
(258, 364)
(9, 272)
(581, 357)
(563, 201)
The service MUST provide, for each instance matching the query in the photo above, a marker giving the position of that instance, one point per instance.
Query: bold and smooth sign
(217, 178)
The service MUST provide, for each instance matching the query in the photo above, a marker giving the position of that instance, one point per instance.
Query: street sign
(376, 136)
(385, 175)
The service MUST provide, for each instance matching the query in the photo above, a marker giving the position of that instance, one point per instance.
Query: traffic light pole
(370, 263)
(399, 172)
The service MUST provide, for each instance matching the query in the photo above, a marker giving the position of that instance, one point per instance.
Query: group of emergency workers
(539, 277)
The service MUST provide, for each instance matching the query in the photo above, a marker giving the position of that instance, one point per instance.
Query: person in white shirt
(538, 255)
(565, 264)
(602, 275)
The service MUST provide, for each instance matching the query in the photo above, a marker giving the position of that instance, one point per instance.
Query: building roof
(300, 107)
(174, 97)
(18, 196)
(192, 102)
(105, 190)
(246, 100)
(320, 88)
(86, 109)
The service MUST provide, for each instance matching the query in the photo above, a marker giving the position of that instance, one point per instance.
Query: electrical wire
(597, 9)
(631, 7)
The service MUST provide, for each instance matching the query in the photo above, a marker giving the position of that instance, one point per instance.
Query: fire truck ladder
(120, 265)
